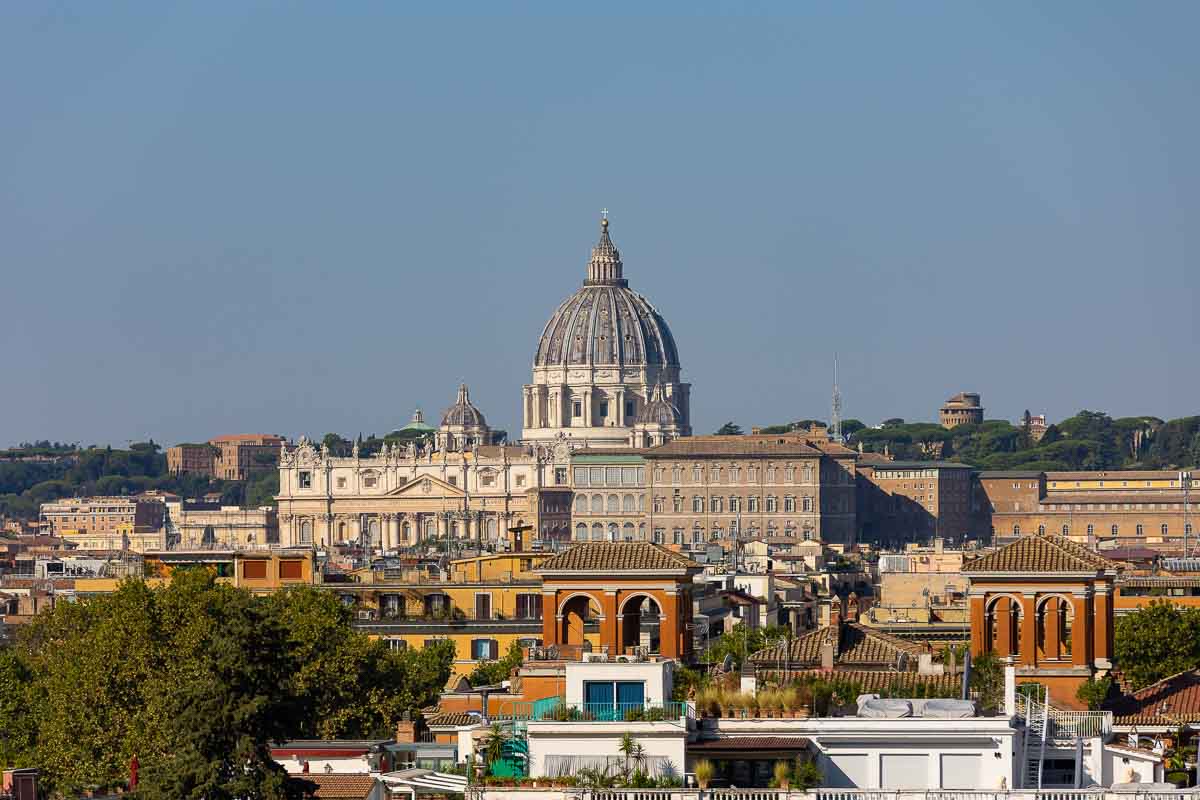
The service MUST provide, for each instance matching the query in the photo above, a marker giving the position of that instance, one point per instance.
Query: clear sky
(299, 218)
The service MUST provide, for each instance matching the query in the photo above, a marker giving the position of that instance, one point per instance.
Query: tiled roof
(1040, 552)
(339, 787)
(452, 719)
(615, 557)
(1162, 581)
(727, 744)
(858, 646)
(1121, 474)
(1171, 701)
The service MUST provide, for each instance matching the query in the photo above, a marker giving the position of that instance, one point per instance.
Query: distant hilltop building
(231, 458)
(962, 409)
(1035, 423)
(606, 372)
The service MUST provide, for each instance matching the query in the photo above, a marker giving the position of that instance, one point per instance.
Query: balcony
(668, 711)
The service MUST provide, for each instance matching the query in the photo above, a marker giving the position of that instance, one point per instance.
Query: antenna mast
(835, 414)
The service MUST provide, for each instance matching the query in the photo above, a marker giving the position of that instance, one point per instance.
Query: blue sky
(300, 218)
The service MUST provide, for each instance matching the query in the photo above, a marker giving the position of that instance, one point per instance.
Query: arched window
(581, 504)
(407, 532)
(627, 504)
(612, 531)
(1041, 530)
(1016, 530)
(1091, 531)
(1066, 530)
(597, 532)
(641, 504)
(614, 505)
(581, 532)
(597, 504)
(210, 535)
(1115, 530)
(306, 531)
(642, 531)
(1138, 530)
(627, 531)
(1163, 529)
(430, 528)
(490, 527)
(341, 532)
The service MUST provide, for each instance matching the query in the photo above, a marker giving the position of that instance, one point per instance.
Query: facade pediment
(427, 485)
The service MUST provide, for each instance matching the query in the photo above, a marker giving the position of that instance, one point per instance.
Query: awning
(425, 781)
(750, 747)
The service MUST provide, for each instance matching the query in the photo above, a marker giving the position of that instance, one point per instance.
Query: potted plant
(783, 775)
(768, 703)
(704, 772)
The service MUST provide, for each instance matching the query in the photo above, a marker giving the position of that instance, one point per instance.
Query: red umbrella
(133, 771)
(305, 770)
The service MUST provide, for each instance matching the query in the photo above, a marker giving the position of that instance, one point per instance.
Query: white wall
(1118, 763)
(666, 739)
(656, 675)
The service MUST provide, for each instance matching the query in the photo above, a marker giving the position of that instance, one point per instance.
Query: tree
(851, 427)
(892, 423)
(16, 723)
(490, 673)
(742, 642)
(729, 429)
(987, 679)
(1156, 641)
(1093, 692)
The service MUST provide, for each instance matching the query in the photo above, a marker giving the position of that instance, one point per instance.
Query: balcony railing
(1067, 726)
(669, 711)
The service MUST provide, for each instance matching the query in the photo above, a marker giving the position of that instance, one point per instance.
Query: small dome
(606, 322)
(416, 425)
(659, 411)
(463, 412)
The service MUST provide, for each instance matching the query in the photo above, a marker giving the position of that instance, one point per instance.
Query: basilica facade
(606, 372)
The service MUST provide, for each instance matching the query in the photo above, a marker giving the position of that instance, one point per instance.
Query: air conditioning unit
(595, 658)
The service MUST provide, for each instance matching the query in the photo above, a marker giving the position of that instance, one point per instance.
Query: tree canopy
(1156, 641)
(729, 429)
(196, 679)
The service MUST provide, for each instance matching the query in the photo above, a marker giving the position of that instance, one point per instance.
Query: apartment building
(104, 519)
(232, 458)
(902, 501)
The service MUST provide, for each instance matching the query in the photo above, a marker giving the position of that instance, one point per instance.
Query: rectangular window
(483, 606)
(254, 570)
(560, 476)
(629, 411)
(529, 606)
(484, 649)
(629, 476)
(603, 409)
(397, 645)
(581, 476)
(577, 409)
(291, 570)
(612, 475)
(305, 479)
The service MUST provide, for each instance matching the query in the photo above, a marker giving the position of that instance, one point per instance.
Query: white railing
(693, 793)
(1067, 726)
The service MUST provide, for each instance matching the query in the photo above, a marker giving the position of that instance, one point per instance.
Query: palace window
(735, 504)
(677, 504)
(659, 505)
(771, 474)
(771, 504)
(630, 409)
(1066, 530)
(789, 504)
(603, 409)
(1115, 530)
(697, 474)
(1138, 530)
(752, 501)
(808, 504)
(658, 474)
(341, 483)
(1041, 530)
(305, 479)
(1091, 530)
(658, 535)
(597, 504)
(714, 505)
(1163, 529)
(698, 505)
(641, 503)
(808, 473)
(370, 481)
(752, 474)
(577, 408)
(627, 504)
(677, 535)
(716, 474)
(581, 504)
(676, 475)
(791, 474)
(614, 505)
(1016, 530)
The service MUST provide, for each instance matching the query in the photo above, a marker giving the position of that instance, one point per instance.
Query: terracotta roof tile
(1038, 552)
(453, 718)
(727, 744)
(896, 683)
(858, 646)
(1171, 701)
(734, 446)
(339, 787)
(616, 557)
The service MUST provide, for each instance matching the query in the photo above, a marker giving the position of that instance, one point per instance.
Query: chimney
(833, 634)
(406, 730)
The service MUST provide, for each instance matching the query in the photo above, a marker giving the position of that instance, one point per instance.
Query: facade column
(540, 408)
(355, 527)
(1081, 631)
(1103, 621)
(550, 620)
(1003, 615)
(589, 417)
(620, 408)
(977, 605)
(668, 625)
(525, 408)
(608, 622)
(1029, 630)
(394, 532)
